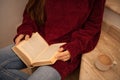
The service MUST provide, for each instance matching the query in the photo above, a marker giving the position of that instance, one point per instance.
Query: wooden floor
(109, 43)
(113, 5)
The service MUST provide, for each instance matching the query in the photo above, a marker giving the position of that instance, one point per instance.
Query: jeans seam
(7, 61)
(10, 74)
(3, 70)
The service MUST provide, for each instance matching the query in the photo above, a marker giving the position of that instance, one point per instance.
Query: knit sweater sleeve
(85, 39)
(28, 26)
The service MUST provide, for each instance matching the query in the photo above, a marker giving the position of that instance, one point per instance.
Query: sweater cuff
(73, 49)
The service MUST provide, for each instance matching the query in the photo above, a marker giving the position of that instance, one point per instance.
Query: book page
(48, 54)
(33, 46)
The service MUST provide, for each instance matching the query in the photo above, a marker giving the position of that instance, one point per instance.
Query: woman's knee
(45, 73)
(6, 52)
(9, 60)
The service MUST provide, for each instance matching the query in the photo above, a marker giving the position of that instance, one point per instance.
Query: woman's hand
(64, 55)
(21, 37)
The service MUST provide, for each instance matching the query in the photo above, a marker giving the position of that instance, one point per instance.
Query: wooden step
(112, 13)
(113, 5)
(106, 45)
(111, 30)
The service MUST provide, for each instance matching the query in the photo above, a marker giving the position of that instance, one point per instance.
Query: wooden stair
(109, 43)
(112, 13)
(114, 5)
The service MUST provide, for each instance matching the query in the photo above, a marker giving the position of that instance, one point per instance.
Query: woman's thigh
(9, 60)
(45, 73)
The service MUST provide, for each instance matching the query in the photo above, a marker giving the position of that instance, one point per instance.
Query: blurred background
(11, 12)
(10, 18)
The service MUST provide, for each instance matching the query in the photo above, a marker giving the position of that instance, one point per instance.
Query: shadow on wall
(10, 18)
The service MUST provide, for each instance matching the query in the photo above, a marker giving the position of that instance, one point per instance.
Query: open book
(36, 51)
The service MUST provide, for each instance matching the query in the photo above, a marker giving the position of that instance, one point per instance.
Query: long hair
(35, 8)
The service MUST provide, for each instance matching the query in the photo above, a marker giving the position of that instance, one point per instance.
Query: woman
(76, 22)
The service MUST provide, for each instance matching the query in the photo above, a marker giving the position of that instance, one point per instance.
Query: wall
(10, 18)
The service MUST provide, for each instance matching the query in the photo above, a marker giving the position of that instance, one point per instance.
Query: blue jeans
(11, 65)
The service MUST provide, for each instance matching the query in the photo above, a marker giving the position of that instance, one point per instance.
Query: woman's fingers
(64, 56)
(27, 37)
(19, 38)
(61, 49)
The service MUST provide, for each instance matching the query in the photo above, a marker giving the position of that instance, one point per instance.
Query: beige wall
(10, 17)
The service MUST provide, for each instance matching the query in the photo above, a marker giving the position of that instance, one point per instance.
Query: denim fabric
(10, 66)
(45, 73)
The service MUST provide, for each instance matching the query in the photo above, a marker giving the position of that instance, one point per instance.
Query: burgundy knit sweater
(77, 22)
